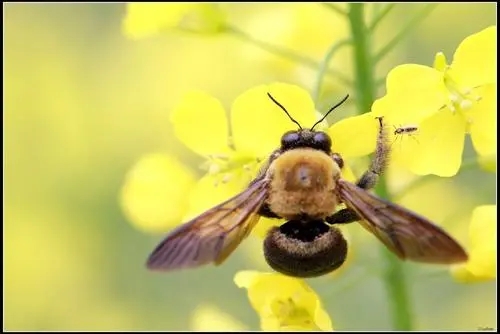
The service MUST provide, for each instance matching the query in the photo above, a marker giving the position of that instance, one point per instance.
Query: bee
(301, 183)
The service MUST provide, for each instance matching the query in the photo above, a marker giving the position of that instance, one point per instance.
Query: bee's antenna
(329, 111)
(283, 108)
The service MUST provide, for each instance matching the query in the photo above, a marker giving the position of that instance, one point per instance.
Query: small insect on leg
(369, 179)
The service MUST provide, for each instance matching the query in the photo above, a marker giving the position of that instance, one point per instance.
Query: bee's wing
(405, 233)
(213, 235)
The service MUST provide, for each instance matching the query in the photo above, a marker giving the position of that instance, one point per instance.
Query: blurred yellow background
(83, 103)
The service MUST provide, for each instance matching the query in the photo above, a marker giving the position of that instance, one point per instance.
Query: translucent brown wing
(405, 233)
(213, 235)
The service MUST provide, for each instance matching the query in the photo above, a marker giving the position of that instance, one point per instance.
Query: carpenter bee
(301, 182)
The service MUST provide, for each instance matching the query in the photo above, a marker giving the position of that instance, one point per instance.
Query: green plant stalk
(395, 281)
(393, 277)
(364, 84)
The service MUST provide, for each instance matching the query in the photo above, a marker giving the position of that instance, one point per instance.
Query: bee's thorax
(303, 184)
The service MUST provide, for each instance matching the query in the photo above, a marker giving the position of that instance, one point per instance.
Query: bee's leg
(344, 216)
(369, 179)
(265, 211)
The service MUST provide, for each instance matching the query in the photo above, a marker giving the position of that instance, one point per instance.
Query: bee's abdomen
(305, 249)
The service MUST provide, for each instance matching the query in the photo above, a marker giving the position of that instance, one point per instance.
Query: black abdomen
(305, 248)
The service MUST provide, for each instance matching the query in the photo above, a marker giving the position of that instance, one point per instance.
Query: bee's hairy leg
(369, 179)
(344, 216)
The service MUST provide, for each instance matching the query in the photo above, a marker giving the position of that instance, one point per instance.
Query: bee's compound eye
(305, 248)
(338, 159)
(290, 139)
(322, 141)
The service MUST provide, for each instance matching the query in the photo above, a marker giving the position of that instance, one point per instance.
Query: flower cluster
(444, 103)
(440, 104)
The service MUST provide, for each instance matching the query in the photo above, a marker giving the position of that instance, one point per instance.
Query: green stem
(393, 277)
(395, 280)
(323, 67)
(363, 66)
(286, 53)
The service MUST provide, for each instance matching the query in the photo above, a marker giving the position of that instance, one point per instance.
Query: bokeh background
(82, 103)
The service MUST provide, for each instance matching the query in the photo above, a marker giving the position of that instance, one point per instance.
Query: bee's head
(306, 138)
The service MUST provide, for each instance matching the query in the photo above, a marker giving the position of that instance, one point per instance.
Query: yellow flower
(444, 102)
(283, 303)
(482, 247)
(145, 19)
(148, 198)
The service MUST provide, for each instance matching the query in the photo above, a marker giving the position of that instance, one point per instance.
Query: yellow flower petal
(483, 116)
(322, 319)
(347, 173)
(482, 251)
(265, 225)
(212, 190)
(148, 198)
(413, 92)
(144, 19)
(439, 147)
(258, 123)
(200, 122)
(354, 136)
(404, 146)
(283, 302)
(245, 278)
(209, 318)
(475, 60)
